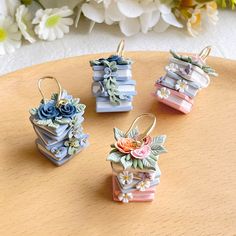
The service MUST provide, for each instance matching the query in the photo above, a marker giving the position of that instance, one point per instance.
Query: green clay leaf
(133, 133)
(159, 139)
(135, 163)
(33, 111)
(63, 121)
(118, 134)
(140, 163)
(126, 164)
(114, 156)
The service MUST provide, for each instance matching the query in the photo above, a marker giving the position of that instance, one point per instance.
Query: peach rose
(142, 152)
(126, 145)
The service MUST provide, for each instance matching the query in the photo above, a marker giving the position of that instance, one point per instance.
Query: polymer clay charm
(112, 84)
(185, 76)
(134, 156)
(58, 124)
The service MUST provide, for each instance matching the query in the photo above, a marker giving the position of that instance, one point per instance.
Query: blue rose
(47, 111)
(114, 58)
(67, 110)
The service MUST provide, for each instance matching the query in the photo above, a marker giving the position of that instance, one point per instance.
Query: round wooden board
(198, 188)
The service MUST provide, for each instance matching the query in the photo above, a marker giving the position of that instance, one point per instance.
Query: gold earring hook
(120, 48)
(58, 85)
(205, 53)
(147, 131)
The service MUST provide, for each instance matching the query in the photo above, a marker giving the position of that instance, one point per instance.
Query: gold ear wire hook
(58, 84)
(205, 53)
(120, 48)
(147, 131)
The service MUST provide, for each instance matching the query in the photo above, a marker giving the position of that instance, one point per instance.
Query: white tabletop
(105, 39)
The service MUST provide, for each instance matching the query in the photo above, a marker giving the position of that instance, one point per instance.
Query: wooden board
(198, 183)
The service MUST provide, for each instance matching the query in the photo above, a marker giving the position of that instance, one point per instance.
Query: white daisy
(125, 197)
(52, 23)
(143, 185)
(125, 177)
(181, 85)
(163, 93)
(23, 19)
(10, 37)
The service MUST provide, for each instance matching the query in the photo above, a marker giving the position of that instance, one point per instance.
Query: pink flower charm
(142, 152)
(147, 140)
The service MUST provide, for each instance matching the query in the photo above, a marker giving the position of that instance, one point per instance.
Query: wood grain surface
(197, 194)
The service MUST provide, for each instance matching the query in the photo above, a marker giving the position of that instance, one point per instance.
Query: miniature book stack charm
(57, 123)
(135, 172)
(185, 76)
(112, 85)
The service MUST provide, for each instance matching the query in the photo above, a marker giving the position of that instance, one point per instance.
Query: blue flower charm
(67, 110)
(59, 153)
(114, 58)
(47, 111)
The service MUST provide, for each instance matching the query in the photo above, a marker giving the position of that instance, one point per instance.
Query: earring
(135, 172)
(185, 76)
(113, 86)
(58, 124)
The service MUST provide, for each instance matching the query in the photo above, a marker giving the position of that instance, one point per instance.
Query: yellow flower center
(126, 177)
(52, 21)
(3, 35)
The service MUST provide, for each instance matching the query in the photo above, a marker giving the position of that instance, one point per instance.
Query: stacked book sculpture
(134, 156)
(58, 125)
(185, 76)
(112, 84)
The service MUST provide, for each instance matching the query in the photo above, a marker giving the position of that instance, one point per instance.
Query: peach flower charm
(142, 152)
(126, 145)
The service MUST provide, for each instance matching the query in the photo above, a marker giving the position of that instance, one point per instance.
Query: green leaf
(118, 134)
(133, 133)
(114, 156)
(158, 149)
(159, 139)
(135, 163)
(140, 164)
(63, 121)
(44, 122)
(154, 156)
(126, 164)
(128, 157)
(112, 146)
(33, 111)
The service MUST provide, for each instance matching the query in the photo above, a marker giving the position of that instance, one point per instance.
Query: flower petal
(114, 13)
(129, 26)
(93, 12)
(130, 8)
(171, 20)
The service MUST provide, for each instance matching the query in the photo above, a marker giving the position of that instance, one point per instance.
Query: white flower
(8, 7)
(143, 185)
(133, 16)
(10, 37)
(52, 23)
(23, 19)
(125, 197)
(163, 93)
(125, 177)
(181, 85)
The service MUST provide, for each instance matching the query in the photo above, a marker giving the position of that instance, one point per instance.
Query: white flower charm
(125, 197)
(181, 85)
(52, 23)
(23, 19)
(143, 185)
(125, 177)
(163, 93)
(10, 37)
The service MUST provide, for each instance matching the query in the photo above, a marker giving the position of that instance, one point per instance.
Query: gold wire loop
(58, 85)
(120, 48)
(147, 131)
(205, 53)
